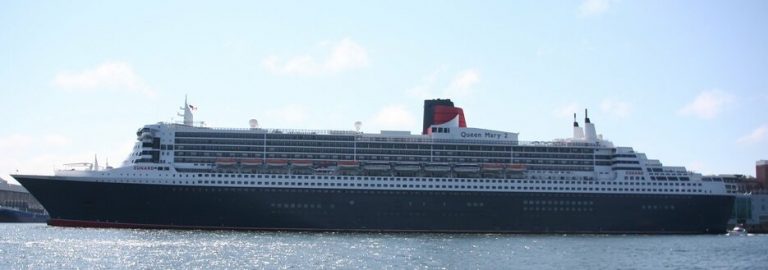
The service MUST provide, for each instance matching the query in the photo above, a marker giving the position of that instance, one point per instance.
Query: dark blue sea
(38, 246)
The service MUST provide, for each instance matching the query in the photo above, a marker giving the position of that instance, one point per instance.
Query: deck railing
(372, 137)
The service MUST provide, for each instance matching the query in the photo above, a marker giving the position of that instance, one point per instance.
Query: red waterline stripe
(104, 224)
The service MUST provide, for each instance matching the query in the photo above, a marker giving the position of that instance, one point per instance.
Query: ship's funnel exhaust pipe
(578, 133)
(439, 111)
(589, 128)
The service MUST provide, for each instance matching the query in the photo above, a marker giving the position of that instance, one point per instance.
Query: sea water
(38, 246)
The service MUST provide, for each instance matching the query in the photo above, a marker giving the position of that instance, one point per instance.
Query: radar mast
(188, 118)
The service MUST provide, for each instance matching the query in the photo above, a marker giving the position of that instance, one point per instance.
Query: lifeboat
(407, 166)
(516, 167)
(466, 168)
(437, 167)
(377, 166)
(324, 163)
(277, 162)
(348, 164)
(226, 162)
(251, 162)
(492, 167)
(301, 163)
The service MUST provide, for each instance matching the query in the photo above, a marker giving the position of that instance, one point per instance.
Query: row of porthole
(460, 187)
(299, 205)
(398, 192)
(436, 180)
(559, 209)
(537, 202)
(658, 207)
(475, 204)
(312, 184)
(469, 187)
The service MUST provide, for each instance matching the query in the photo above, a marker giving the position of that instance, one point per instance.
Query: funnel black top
(429, 111)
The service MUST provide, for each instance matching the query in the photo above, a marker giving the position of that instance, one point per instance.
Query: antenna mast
(188, 118)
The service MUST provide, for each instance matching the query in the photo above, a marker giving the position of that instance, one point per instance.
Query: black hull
(99, 204)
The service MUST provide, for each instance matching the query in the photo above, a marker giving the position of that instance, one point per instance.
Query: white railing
(413, 138)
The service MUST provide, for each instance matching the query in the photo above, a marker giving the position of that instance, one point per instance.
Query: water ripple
(37, 246)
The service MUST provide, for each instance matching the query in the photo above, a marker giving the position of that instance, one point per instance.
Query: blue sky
(683, 81)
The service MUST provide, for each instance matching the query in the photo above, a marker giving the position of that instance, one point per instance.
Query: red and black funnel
(439, 111)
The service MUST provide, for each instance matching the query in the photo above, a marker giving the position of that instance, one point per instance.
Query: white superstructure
(449, 157)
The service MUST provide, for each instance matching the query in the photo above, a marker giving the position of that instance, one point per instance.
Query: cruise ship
(449, 178)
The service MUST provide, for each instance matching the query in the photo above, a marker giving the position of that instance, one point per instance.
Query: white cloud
(40, 154)
(695, 166)
(57, 140)
(300, 65)
(347, 55)
(393, 117)
(566, 111)
(344, 55)
(288, 116)
(14, 142)
(110, 75)
(758, 135)
(40, 162)
(616, 108)
(31, 153)
(594, 7)
(707, 105)
(426, 88)
(462, 85)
